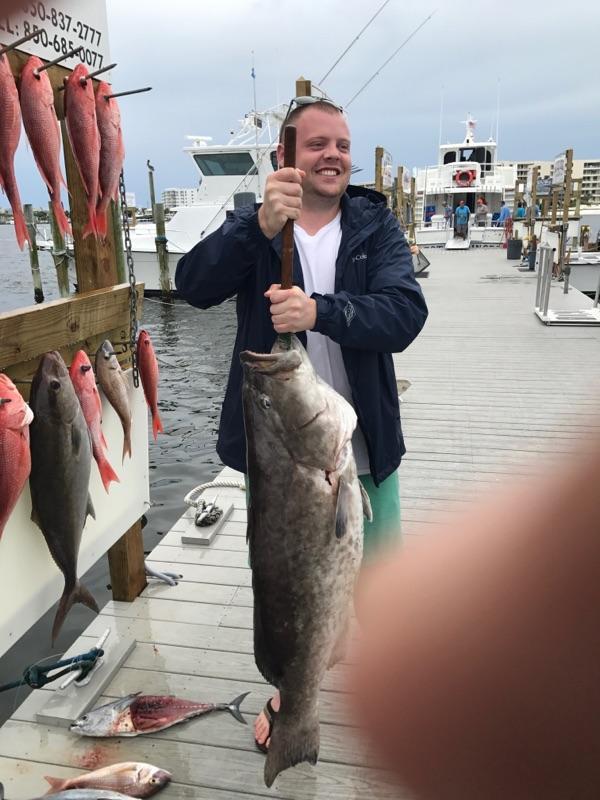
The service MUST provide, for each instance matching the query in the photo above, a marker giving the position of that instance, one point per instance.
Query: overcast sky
(198, 57)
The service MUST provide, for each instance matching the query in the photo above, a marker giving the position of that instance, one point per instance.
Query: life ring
(464, 177)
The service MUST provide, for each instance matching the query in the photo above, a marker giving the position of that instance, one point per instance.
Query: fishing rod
(353, 42)
(394, 54)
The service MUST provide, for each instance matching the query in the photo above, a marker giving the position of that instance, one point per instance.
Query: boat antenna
(497, 110)
(441, 117)
(353, 42)
(394, 54)
(253, 74)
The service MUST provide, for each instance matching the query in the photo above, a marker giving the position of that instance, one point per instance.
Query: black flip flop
(271, 716)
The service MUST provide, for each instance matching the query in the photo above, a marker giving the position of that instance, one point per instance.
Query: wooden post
(413, 204)
(303, 87)
(152, 193)
(38, 291)
(400, 195)
(126, 565)
(579, 182)
(379, 169)
(163, 253)
(534, 180)
(515, 199)
(554, 200)
(567, 186)
(59, 254)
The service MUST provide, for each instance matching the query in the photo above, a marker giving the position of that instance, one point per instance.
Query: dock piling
(59, 254)
(38, 291)
(163, 252)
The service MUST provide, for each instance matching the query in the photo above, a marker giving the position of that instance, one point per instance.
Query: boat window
(450, 157)
(218, 164)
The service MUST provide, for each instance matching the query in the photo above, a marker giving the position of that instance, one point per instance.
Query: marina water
(193, 349)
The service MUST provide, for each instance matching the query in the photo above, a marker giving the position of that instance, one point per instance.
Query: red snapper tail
(61, 218)
(157, 426)
(102, 222)
(92, 225)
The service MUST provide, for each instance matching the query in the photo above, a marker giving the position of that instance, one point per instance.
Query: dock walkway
(494, 393)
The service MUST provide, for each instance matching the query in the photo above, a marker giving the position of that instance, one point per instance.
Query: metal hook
(14, 45)
(83, 81)
(71, 53)
(124, 94)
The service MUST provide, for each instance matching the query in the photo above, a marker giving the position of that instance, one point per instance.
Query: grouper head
(52, 393)
(287, 405)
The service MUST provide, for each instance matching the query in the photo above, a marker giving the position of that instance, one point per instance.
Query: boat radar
(471, 124)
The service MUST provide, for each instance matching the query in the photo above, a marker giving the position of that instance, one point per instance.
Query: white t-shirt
(318, 255)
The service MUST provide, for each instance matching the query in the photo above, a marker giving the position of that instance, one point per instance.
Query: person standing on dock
(447, 215)
(355, 301)
(481, 212)
(461, 217)
(505, 213)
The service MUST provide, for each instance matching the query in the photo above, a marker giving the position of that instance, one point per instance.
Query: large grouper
(305, 526)
(61, 460)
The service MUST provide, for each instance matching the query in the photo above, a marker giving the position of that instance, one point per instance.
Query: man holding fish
(354, 302)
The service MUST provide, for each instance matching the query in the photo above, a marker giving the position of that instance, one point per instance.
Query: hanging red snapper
(112, 152)
(15, 458)
(84, 383)
(10, 133)
(41, 126)
(148, 366)
(82, 127)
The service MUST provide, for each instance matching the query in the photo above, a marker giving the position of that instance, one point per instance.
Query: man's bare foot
(261, 723)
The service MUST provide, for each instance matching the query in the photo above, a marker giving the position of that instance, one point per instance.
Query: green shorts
(385, 529)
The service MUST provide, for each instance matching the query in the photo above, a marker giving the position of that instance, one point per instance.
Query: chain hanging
(133, 323)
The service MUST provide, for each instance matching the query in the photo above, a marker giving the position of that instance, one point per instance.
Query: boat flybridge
(230, 176)
(465, 171)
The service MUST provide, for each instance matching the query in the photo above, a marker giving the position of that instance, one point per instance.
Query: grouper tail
(295, 738)
(78, 594)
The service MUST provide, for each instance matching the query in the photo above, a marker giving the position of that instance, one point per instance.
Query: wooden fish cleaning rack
(99, 310)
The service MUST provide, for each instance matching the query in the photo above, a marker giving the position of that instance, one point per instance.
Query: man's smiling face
(323, 152)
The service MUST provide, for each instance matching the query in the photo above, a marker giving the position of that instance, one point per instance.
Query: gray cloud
(197, 56)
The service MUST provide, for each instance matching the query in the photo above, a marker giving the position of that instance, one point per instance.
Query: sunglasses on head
(307, 100)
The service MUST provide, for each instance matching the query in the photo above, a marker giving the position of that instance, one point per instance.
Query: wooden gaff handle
(287, 245)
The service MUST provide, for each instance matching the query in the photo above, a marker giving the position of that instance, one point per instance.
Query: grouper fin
(344, 499)
(78, 594)
(295, 738)
(367, 510)
(90, 512)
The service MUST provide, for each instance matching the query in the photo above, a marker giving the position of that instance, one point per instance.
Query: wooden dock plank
(495, 397)
(195, 764)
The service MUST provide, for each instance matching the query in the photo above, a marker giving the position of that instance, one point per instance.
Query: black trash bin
(514, 249)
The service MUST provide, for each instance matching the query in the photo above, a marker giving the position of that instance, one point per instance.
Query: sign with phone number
(62, 25)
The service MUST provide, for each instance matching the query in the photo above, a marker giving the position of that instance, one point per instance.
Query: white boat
(465, 171)
(230, 176)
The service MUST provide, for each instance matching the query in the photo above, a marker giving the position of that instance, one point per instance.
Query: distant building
(180, 197)
(586, 169)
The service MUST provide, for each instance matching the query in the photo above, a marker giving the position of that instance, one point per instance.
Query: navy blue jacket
(377, 309)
